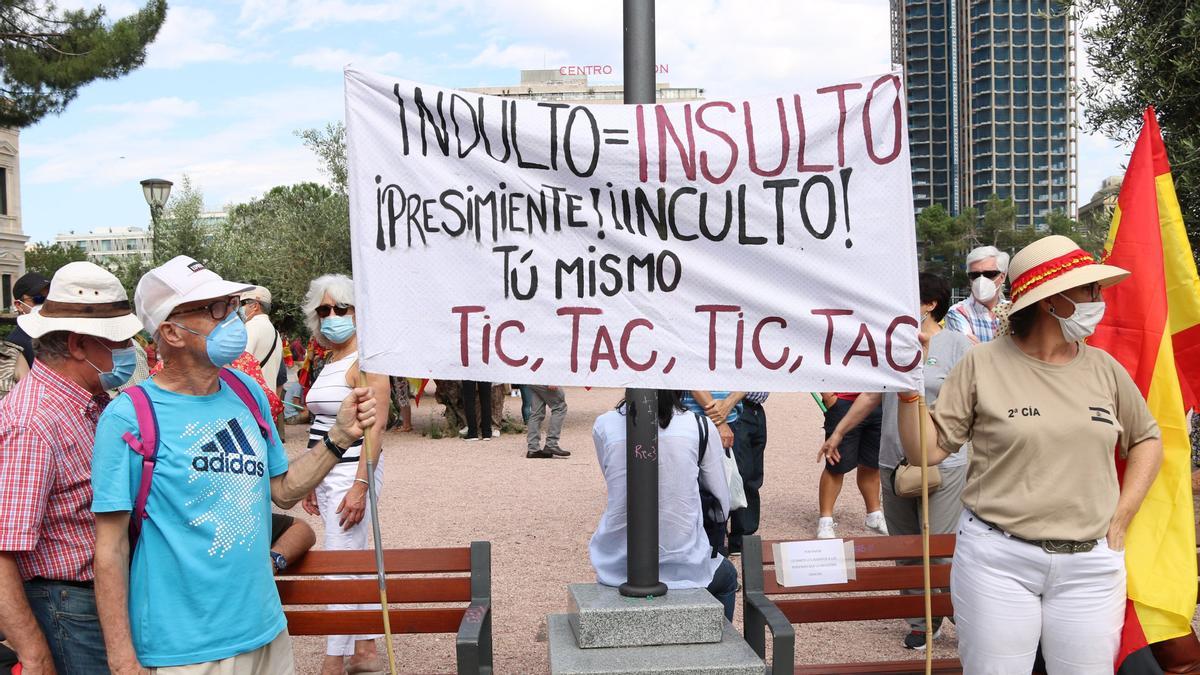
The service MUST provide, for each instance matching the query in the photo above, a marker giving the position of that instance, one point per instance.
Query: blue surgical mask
(124, 363)
(337, 329)
(224, 343)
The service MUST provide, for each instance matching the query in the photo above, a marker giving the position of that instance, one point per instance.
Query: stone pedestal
(601, 617)
(682, 633)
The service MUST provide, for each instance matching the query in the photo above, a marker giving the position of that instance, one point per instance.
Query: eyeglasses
(990, 274)
(324, 310)
(217, 309)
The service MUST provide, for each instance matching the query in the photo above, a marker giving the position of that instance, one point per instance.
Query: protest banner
(763, 244)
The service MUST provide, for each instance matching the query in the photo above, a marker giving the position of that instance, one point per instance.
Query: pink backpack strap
(243, 392)
(146, 445)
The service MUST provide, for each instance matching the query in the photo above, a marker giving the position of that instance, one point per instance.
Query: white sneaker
(876, 522)
(495, 433)
(825, 529)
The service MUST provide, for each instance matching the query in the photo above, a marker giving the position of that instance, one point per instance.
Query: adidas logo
(234, 454)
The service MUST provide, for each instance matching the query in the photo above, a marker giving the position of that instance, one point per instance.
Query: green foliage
(179, 230)
(329, 144)
(45, 258)
(48, 54)
(945, 240)
(1147, 52)
(285, 239)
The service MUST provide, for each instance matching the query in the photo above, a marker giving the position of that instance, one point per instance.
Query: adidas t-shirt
(200, 586)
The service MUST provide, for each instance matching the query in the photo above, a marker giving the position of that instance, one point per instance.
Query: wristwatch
(278, 561)
(334, 447)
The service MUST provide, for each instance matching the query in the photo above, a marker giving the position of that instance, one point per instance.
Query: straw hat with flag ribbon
(1052, 265)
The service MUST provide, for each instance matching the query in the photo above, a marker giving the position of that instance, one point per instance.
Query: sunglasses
(990, 274)
(217, 309)
(324, 310)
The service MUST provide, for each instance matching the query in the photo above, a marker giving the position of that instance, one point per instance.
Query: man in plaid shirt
(47, 426)
(987, 267)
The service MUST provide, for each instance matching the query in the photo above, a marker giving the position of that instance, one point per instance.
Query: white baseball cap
(178, 281)
(257, 294)
(84, 298)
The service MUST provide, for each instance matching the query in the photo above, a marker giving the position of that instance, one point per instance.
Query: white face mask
(1083, 320)
(983, 289)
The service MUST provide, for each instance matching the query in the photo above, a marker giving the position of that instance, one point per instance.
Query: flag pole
(922, 413)
(372, 461)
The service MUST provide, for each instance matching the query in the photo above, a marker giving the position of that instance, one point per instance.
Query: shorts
(860, 445)
(279, 524)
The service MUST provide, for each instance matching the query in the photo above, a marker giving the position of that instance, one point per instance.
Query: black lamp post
(156, 191)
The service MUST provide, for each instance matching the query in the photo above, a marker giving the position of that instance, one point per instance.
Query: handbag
(906, 482)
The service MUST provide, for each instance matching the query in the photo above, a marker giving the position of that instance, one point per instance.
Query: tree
(1147, 52)
(47, 54)
(46, 258)
(1090, 237)
(179, 230)
(329, 144)
(283, 240)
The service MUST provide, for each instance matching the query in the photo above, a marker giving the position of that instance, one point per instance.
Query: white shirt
(260, 335)
(684, 554)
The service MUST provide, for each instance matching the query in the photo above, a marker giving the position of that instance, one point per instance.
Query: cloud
(190, 36)
(326, 59)
(257, 15)
(232, 149)
(517, 56)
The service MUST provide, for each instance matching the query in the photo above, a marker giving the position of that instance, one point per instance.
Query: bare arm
(1141, 468)
(354, 504)
(356, 414)
(909, 419)
(17, 622)
(718, 411)
(20, 370)
(112, 591)
(862, 406)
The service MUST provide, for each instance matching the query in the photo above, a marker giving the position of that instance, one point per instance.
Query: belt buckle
(1057, 546)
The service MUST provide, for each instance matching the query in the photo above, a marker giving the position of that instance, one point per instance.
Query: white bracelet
(363, 481)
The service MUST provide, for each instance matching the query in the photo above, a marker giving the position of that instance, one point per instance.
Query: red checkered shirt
(47, 428)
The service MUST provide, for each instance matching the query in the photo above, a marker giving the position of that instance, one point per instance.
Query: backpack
(710, 506)
(146, 442)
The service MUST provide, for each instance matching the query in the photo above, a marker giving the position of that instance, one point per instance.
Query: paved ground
(539, 515)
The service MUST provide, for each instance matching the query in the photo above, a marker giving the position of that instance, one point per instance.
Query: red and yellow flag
(1152, 327)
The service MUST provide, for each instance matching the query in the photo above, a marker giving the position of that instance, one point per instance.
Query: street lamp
(156, 191)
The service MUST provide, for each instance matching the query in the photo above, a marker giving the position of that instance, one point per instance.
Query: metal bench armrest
(760, 613)
(474, 644)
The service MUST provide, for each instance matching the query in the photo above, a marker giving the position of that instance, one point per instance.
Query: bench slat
(885, 548)
(339, 591)
(395, 561)
(914, 667)
(862, 608)
(896, 578)
(361, 621)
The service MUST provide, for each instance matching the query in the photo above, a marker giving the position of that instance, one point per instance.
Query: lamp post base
(635, 591)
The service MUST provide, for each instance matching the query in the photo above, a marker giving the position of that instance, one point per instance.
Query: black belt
(89, 584)
(1048, 545)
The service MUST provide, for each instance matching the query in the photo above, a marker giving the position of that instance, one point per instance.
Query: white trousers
(330, 493)
(1009, 595)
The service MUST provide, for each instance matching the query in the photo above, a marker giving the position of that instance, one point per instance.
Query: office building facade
(991, 102)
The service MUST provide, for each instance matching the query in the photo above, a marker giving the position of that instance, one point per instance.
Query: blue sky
(228, 82)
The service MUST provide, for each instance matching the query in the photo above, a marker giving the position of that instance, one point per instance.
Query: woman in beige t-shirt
(1040, 544)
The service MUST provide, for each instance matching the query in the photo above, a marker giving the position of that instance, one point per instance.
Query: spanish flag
(1152, 327)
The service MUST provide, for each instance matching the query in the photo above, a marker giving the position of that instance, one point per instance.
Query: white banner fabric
(760, 244)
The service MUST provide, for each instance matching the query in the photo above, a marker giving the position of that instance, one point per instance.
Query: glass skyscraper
(991, 103)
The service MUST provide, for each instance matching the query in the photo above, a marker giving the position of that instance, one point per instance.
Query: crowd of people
(123, 518)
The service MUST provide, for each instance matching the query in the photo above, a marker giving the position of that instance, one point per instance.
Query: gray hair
(985, 252)
(52, 347)
(340, 289)
(266, 306)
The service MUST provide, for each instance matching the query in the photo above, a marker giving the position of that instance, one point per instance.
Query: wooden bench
(848, 602)
(463, 581)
